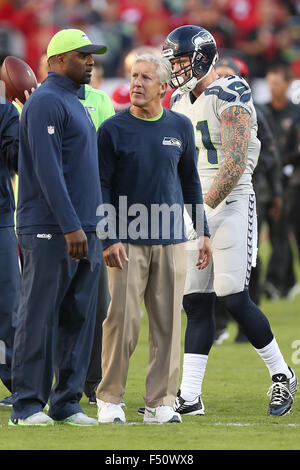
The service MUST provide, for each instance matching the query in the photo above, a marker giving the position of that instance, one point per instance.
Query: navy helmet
(196, 43)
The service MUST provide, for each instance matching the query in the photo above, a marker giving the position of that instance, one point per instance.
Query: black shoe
(282, 393)
(92, 399)
(141, 411)
(184, 407)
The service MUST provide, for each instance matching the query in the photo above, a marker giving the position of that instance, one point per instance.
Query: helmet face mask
(184, 74)
(197, 45)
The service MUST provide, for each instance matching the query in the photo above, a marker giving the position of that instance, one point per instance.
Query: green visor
(68, 40)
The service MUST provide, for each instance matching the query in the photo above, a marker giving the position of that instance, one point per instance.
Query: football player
(225, 125)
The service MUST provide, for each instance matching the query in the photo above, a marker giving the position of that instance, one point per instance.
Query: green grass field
(234, 394)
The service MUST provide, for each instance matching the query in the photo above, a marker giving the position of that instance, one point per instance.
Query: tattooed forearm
(235, 135)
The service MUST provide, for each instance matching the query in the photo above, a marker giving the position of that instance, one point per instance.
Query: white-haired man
(147, 155)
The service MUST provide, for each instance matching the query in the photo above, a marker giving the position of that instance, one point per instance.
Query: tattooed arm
(235, 135)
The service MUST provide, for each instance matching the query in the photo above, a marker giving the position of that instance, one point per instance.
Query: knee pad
(198, 305)
(200, 330)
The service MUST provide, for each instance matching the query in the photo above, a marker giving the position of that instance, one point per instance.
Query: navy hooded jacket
(59, 185)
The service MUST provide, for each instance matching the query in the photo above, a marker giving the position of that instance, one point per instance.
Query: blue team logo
(171, 141)
(202, 37)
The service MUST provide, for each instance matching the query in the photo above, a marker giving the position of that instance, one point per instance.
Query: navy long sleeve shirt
(9, 145)
(151, 163)
(59, 186)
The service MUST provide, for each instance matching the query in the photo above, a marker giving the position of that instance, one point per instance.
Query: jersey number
(212, 154)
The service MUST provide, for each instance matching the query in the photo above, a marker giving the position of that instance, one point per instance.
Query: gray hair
(163, 65)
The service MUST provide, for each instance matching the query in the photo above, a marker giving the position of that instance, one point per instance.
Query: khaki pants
(155, 273)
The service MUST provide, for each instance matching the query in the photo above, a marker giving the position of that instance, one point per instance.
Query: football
(18, 77)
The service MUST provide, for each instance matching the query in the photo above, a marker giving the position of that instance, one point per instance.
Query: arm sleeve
(107, 166)
(45, 120)
(191, 185)
(10, 136)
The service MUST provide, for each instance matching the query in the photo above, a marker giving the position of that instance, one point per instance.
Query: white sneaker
(37, 419)
(161, 414)
(110, 412)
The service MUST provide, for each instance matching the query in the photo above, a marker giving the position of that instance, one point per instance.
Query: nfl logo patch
(50, 129)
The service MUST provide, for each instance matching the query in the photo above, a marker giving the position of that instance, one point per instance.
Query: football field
(234, 395)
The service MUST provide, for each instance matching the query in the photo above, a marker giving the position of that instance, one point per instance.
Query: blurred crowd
(261, 32)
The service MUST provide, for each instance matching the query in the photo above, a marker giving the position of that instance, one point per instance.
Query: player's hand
(114, 254)
(26, 93)
(77, 245)
(205, 254)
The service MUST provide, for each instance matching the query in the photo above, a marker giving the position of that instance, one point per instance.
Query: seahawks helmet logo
(202, 37)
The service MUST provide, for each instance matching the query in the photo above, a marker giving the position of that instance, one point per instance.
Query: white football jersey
(205, 114)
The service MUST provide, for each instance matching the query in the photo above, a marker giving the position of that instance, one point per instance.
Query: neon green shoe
(78, 419)
(37, 419)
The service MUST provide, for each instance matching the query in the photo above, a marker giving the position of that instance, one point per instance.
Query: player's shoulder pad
(231, 88)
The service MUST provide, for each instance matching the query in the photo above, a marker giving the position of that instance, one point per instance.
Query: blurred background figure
(97, 78)
(293, 192)
(284, 118)
(120, 97)
(43, 68)
(262, 45)
(132, 55)
(228, 66)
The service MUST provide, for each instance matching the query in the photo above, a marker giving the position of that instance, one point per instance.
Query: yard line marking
(141, 423)
(293, 425)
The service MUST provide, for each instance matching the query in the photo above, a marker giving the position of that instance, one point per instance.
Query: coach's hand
(77, 244)
(114, 254)
(205, 253)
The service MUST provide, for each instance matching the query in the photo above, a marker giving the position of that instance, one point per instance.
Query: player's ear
(56, 60)
(163, 87)
(60, 58)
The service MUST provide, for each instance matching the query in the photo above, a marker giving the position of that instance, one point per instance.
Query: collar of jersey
(62, 81)
(81, 92)
(155, 118)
